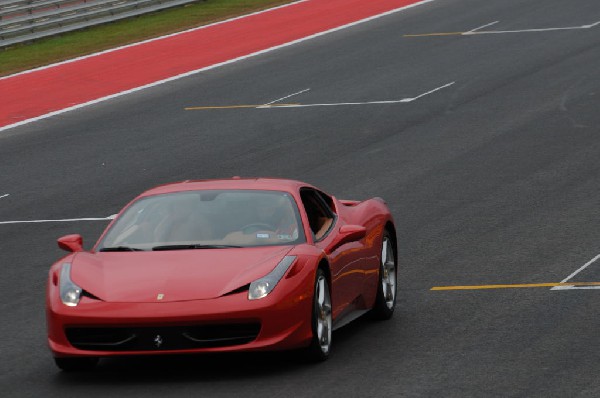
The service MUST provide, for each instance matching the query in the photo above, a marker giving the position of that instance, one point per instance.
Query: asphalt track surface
(492, 180)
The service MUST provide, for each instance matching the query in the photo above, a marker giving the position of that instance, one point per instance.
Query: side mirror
(71, 243)
(347, 234)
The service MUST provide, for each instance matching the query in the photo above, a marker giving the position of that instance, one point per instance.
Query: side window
(320, 217)
(328, 201)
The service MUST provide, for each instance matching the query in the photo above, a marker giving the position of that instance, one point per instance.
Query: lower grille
(161, 338)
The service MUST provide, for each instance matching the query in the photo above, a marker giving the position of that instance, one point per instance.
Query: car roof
(265, 184)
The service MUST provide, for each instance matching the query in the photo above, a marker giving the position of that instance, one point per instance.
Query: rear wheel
(386, 291)
(321, 319)
(76, 364)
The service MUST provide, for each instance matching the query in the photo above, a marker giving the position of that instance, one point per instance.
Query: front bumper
(284, 322)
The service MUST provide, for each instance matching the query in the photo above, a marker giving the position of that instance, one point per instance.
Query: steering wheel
(257, 226)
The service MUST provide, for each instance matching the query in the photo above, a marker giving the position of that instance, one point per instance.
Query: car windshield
(206, 219)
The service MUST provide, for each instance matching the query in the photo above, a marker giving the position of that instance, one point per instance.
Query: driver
(279, 215)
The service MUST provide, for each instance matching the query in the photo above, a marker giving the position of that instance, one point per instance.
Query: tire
(320, 347)
(385, 303)
(76, 364)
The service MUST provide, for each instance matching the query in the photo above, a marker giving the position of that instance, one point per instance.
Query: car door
(345, 261)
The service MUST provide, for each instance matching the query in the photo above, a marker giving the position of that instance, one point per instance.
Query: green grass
(69, 45)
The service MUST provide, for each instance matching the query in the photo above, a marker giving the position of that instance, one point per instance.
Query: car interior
(320, 215)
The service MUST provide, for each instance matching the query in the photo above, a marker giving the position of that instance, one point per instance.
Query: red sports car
(222, 265)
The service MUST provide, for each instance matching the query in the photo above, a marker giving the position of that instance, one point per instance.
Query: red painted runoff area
(30, 95)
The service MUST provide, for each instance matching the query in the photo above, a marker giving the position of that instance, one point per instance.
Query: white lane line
(63, 220)
(429, 92)
(481, 27)
(287, 96)
(575, 288)
(4, 196)
(568, 278)
(332, 104)
(497, 32)
(231, 61)
(400, 101)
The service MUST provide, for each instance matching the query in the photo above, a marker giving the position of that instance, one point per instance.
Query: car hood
(177, 275)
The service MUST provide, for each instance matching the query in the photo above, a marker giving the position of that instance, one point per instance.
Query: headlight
(263, 286)
(69, 291)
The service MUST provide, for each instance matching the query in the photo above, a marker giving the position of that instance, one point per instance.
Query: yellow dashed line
(515, 286)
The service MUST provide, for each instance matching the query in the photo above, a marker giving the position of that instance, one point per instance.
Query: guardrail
(26, 20)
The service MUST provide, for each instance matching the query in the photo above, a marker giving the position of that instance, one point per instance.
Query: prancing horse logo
(158, 341)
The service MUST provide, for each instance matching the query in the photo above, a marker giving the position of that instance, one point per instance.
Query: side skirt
(347, 318)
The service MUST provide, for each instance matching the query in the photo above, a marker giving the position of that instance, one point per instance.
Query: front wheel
(320, 346)
(386, 291)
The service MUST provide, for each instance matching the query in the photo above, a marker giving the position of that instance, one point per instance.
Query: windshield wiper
(187, 247)
(121, 249)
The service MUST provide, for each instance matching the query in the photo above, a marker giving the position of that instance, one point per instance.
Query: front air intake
(161, 338)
